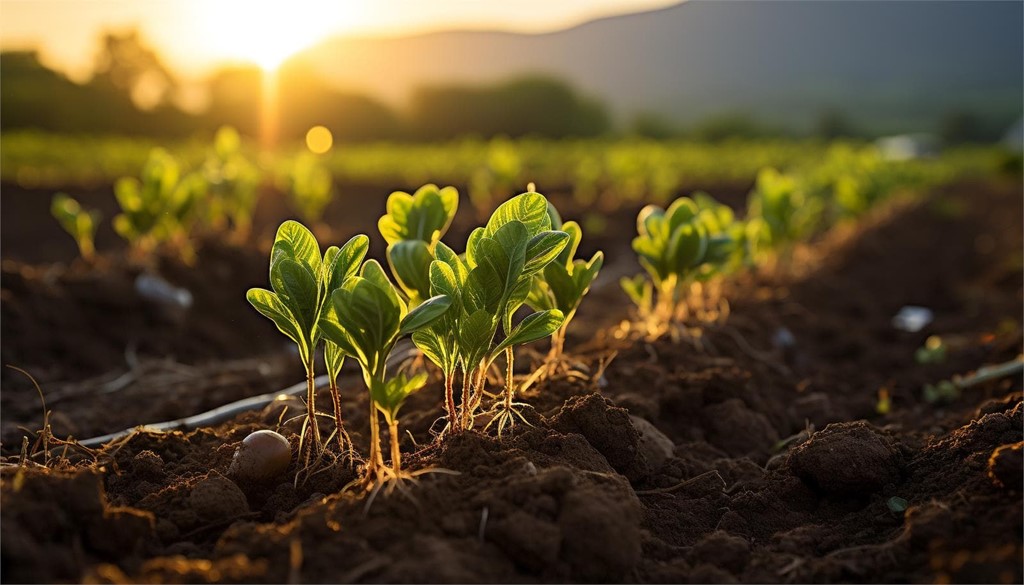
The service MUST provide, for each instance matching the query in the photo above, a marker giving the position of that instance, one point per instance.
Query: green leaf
(367, 317)
(565, 257)
(437, 346)
(334, 359)
(687, 247)
(639, 290)
(529, 208)
(680, 212)
(390, 395)
(341, 263)
(373, 272)
(298, 289)
(448, 256)
(426, 313)
(424, 216)
(483, 290)
(271, 307)
(410, 263)
(543, 248)
(475, 334)
(295, 242)
(330, 327)
(536, 326)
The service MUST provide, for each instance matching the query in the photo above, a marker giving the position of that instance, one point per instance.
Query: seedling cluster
(460, 310)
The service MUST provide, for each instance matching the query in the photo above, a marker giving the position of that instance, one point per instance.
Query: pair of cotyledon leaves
(412, 226)
(675, 241)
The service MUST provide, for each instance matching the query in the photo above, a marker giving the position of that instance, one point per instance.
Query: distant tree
(126, 64)
(960, 126)
(235, 93)
(652, 125)
(831, 124)
(533, 105)
(726, 126)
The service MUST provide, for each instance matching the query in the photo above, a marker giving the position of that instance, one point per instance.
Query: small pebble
(262, 455)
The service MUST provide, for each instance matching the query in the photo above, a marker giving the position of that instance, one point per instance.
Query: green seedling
(932, 352)
(78, 222)
(412, 227)
(487, 288)
(310, 187)
(783, 212)
(563, 283)
(675, 247)
(231, 183)
(365, 317)
(302, 281)
(157, 207)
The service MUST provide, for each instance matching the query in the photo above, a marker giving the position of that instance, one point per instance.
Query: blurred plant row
(216, 187)
(686, 248)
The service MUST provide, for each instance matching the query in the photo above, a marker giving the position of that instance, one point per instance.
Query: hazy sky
(194, 34)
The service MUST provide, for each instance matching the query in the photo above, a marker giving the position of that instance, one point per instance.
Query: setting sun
(267, 33)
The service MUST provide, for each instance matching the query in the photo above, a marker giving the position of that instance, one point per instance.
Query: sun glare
(267, 32)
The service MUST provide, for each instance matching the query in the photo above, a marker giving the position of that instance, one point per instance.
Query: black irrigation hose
(210, 417)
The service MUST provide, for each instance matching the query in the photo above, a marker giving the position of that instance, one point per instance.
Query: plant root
(505, 415)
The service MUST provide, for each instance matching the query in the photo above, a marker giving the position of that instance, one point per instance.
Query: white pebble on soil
(262, 455)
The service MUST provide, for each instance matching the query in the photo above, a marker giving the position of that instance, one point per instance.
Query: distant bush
(535, 105)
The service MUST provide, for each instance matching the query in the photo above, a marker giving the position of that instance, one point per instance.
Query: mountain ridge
(902, 65)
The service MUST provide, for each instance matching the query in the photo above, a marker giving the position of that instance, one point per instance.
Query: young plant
(365, 318)
(782, 208)
(673, 246)
(231, 182)
(310, 187)
(78, 222)
(563, 283)
(156, 208)
(487, 289)
(412, 227)
(302, 281)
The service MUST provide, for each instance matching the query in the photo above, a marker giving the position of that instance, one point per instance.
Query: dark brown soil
(757, 457)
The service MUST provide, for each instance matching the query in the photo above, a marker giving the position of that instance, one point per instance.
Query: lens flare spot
(319, 139)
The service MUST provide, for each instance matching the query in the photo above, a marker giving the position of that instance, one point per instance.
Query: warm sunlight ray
(268, 31)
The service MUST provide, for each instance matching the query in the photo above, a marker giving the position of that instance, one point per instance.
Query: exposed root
(505, 415)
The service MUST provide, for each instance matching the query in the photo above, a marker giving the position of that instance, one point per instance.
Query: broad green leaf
(438, 348)
(373, 272)
(341, 263)
(445, 254)
(483, 290)
(424, 216)
(536, 326)
(543, 248)
(529, 208)
(476, 332)
(648, 220)
(426, 313)
(295, 242)
(410, 263)
(271, 307)
(680, 212)
(390, 395)
(555, 217)
(687, 247)
(298, 289)
(330, 327)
